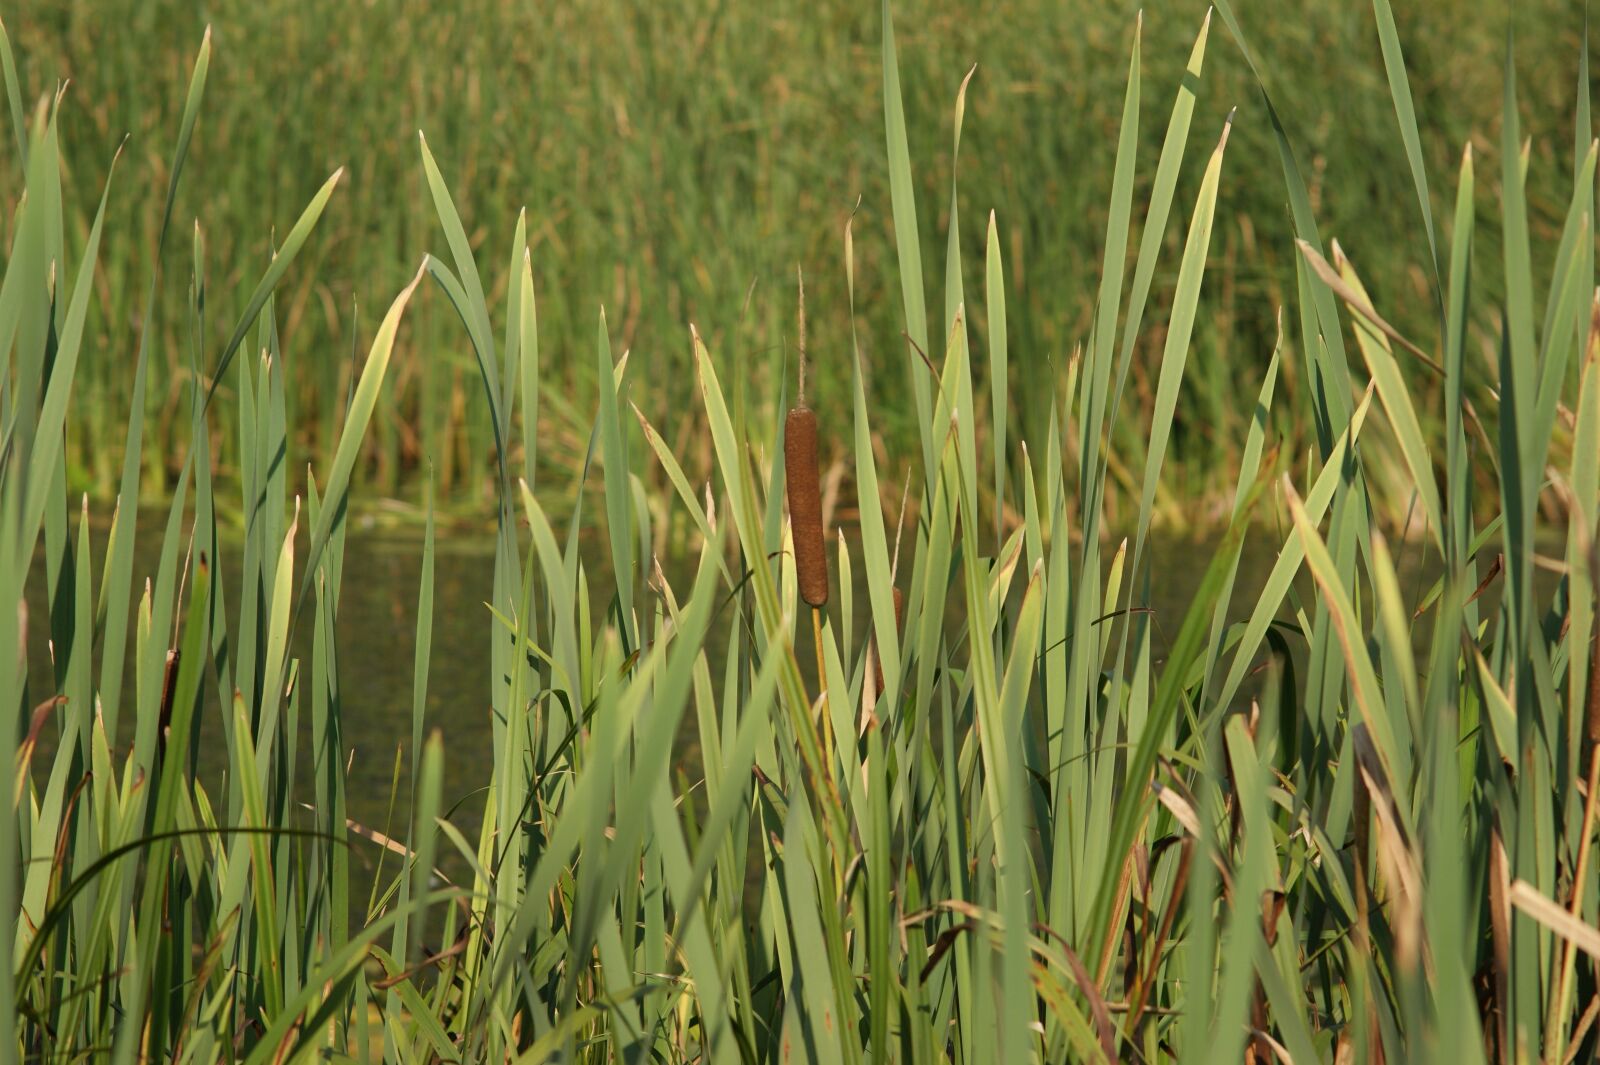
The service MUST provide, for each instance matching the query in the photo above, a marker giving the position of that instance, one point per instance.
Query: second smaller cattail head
(899, 627)
(805, 504)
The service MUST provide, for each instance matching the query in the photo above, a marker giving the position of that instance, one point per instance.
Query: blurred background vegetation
(678, 160)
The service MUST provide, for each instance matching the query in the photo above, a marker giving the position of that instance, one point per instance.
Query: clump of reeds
(1054, 798)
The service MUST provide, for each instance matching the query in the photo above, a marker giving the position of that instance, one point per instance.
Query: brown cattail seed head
(805, 504)
(899, 627)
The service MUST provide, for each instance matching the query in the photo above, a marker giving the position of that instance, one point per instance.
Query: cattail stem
(1591, 736)
(803, 480)
(164, 714)
(822, 685)
(1558, 1005)
(800, 279)
(877, 659)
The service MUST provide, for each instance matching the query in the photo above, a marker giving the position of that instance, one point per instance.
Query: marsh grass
(1353, 825)
(629, 167)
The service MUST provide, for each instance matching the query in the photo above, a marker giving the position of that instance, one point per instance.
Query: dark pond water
(376, 643)
(377, 625)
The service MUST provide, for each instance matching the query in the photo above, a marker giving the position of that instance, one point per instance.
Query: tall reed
(1058, 827)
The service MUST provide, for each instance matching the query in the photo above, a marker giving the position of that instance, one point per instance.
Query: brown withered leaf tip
(805, 504)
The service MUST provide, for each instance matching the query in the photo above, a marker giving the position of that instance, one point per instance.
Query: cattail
(169, 684)
(899, 598)
(805, 487)
(899, 626)
(805, 504)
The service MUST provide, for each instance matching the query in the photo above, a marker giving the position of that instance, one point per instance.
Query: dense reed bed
(666, 197)
(1010, 814)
